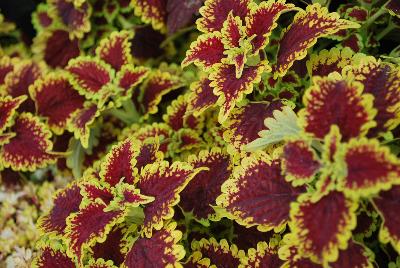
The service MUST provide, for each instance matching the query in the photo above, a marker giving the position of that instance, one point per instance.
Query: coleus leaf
(159, 250)
(76, 19)
(202, 191)
(160, 131)
(153, 12)
(41, 18)
(148, 153)
(230, 89)
(387, 203)
(306, 28)
(329, 61)
(244, 123)
(91, 77)
(119, 163)
(282, 125)
(164, 182)
(92, 189)
(220, 254)
(95, 220)
(31, 146)
(232, 31)
(382, 81)
(8, 107)
(292, 257)
(80, 121)
(128, 78)
(356, 13)
(264, 256)
(185, 139)
(206, 51)
(116, 49)
(66, 201)
(177, 115)
(257, 194)
(181, 13)
(323, 225)
(335, 101)
(215, 12)
(196, 261)
(49, 257)
(55, 99)
(201, 97)
(6, 66)
(355, 255)
(55, 47)
(18, 81)
(5, 137)
(111, 249)
(154, 87)
(262, 21)
(88, 226)
(369, 167)
(299, 162)
(100, 263)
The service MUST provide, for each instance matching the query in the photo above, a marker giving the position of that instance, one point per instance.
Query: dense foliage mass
(190, 133)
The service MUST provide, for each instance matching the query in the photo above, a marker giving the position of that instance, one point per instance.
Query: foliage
(216, 133)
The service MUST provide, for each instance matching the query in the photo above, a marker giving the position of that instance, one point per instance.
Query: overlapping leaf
(177, 115)
(265, 255)
(382, 80)
(306, 28)
(56, 100)
(220, 254)
(262, 21)
(91, 77)
(76, 19)
(80, 121)
(119, 163)
(152, 11)
(154, 87)
(300, 162)
(66, 202)
(8, 107)
(115, 49)
(387, 203)
(206, 51)
(55, 47)
(164, 182)
(203, 190)
(49, 257)
(370, 168)
(201, 97)
(230, 89)
(323, 226)
(246, 122)
(159, 250)
(258, 194)
(31, 147)
(215, 12)
(335, 101)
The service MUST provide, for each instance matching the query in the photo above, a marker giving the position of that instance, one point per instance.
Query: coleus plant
(278, 148)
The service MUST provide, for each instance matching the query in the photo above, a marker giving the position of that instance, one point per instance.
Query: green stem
(380, 12)
(121, 115)
(131, 111)
(124, 23)
(385, 31)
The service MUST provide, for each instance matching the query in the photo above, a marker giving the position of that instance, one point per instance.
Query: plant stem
(371, 19)
(385, 31)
